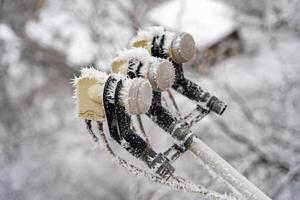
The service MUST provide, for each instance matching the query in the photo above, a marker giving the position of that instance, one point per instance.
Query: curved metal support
(119, 127)
(194, 92)
(184, 86)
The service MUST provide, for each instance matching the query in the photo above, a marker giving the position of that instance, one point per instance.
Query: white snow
(140, 54)
(69, 31)
(73, 37)
(206, 20)
(11, 52)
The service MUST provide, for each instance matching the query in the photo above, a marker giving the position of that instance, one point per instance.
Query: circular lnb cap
(182, 48)
(139, 96)
(161, 75)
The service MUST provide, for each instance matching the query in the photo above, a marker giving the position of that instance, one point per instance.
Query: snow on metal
(175, 182)
(226, 171)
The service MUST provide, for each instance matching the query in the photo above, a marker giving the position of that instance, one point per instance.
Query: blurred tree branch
(284, 183)
(263, 157)
(17, 15)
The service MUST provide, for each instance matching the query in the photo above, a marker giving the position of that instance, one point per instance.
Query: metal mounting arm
(163, 118)
(184, 86)
(119, 127)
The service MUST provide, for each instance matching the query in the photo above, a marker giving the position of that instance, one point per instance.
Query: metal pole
(226, 171)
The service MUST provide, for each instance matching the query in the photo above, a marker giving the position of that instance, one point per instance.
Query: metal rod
(226, 171)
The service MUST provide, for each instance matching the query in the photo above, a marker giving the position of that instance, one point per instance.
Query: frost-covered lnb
(135, 94)
(100, 96)
(138, 62)
(180, 47)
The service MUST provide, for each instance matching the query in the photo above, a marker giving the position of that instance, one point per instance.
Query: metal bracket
(174, 152)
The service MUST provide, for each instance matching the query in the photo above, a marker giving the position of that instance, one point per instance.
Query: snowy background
(45, 151)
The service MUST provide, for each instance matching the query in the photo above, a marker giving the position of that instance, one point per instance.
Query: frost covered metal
(122, 95)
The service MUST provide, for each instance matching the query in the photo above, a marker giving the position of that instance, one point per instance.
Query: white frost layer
(177, 183)
(136, 53)
(226, 171)
(206, 20)
(90, 72)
